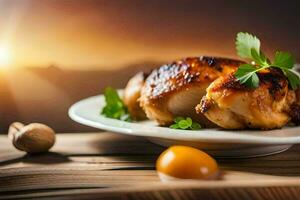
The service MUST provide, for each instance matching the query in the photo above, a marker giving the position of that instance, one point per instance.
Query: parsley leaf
(244, 43)
(185, 124)
(259, 58)
(293, 78)
(114, 107)
(248, 46)
(283, 60)
(195, 126)
(246, 74)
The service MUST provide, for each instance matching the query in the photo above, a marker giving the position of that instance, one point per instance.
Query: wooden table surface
(112, 166)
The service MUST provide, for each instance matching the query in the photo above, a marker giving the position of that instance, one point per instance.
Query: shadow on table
(282, 164)
(43, 158)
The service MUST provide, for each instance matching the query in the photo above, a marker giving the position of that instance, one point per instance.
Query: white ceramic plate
(222, 143)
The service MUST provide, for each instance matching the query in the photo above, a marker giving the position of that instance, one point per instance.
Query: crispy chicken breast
(132, 94)
(234, 106)
(175, 89)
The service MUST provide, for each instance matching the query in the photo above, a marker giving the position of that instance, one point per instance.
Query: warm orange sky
(89, 33)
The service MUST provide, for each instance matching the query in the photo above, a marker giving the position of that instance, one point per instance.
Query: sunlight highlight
(5, 58)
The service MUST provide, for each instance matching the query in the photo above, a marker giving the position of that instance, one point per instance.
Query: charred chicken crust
(171, 77)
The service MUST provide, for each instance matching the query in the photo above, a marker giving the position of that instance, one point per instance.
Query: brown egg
(186, 163)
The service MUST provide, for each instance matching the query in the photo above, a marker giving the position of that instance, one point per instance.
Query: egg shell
(186, 163)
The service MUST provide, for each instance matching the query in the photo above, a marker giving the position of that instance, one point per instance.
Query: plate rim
(203, 135)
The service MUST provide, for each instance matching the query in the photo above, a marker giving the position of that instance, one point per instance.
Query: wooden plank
(282, 190)
(123, 167)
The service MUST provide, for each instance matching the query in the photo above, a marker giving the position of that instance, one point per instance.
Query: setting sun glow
(4, 57)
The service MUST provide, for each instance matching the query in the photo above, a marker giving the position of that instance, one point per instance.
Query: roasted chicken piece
(132, 94)
(175, 89)
(234, 106)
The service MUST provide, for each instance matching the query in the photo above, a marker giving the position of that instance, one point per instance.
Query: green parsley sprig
(114, 108)
(248, 47)
(185, 124)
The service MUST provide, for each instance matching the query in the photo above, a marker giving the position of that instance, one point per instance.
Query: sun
(4, 57)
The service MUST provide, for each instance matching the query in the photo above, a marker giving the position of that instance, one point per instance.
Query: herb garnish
(182, 123)
(114, 108)
(248, 46)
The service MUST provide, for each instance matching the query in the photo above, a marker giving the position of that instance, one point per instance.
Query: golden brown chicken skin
(132, 95)
(175, 89)
(234, 106)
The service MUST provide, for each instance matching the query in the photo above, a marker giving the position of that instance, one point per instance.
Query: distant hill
(44, 94)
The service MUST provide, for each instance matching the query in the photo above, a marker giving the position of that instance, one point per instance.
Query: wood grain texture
(112, 166)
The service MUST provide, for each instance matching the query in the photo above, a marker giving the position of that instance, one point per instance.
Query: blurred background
(56, 52)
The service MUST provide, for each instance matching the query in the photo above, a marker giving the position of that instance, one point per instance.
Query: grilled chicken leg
(234, 106)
